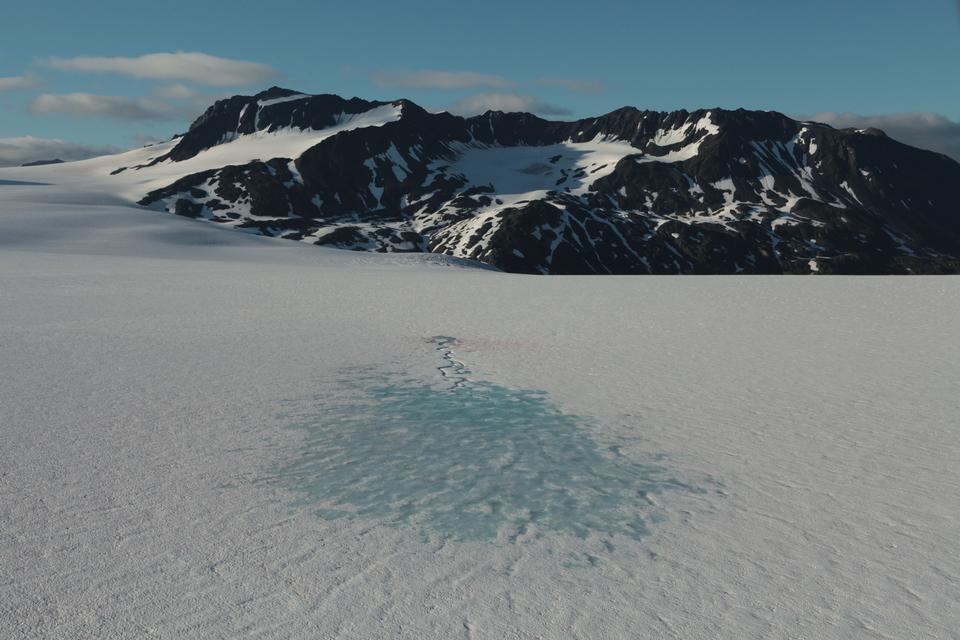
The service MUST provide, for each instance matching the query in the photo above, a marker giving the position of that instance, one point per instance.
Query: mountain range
(630, 192)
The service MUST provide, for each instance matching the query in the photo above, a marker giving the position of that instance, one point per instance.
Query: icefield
(206, 433)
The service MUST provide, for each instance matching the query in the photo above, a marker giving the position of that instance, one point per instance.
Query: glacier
(185, 451)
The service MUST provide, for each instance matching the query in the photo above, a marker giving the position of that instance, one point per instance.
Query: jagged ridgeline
(630, 192)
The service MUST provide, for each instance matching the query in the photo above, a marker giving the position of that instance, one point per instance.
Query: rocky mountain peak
(631, 191)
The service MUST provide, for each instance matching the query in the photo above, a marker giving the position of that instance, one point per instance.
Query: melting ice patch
(469, 460)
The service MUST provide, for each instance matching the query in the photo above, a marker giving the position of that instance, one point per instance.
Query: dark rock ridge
(41, 163)
(631, 192)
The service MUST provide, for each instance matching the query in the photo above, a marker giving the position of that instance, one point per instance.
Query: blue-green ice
(468, 459)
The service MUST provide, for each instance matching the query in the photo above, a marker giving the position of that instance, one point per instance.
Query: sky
(80, 78)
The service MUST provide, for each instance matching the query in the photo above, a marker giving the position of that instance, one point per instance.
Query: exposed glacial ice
(467, 459)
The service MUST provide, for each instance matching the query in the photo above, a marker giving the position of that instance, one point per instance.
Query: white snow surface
(520, 174)
(92, 181)
(669, 137)
(290, 98)
(150, 364)
(527, 173)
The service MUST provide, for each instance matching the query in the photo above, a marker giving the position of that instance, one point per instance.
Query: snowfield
(205, 433)
(127, 177)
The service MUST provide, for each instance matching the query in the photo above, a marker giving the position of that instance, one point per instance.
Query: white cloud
(189, 101)
(196, 67)
(577, 85)
(113, 107)
(925, 130)
(17, 151)
(14, 83)
(432, 79)
(176, 92)
(481, 102)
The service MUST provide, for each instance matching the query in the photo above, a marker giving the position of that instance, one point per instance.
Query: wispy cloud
(176, 92)
(433, 79)
(200, 68)
(482, 102)
(112, 107)
(188, 100)
(925, 130)
(15, 83)
(577, 85)
(17, 151)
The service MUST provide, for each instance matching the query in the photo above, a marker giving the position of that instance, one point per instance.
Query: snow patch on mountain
(285, 142)
(689, 135)
(133, 174)
(522, 173)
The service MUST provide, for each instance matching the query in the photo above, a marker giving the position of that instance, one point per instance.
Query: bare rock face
(41, 163)
(708, 191)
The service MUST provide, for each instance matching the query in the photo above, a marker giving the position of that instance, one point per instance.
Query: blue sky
(892, 60)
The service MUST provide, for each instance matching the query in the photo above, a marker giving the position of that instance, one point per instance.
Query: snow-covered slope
(214, 434)
(127, 177)
(710, 191)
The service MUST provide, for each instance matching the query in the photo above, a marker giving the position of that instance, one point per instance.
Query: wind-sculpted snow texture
(492, 463)
(709, 191)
